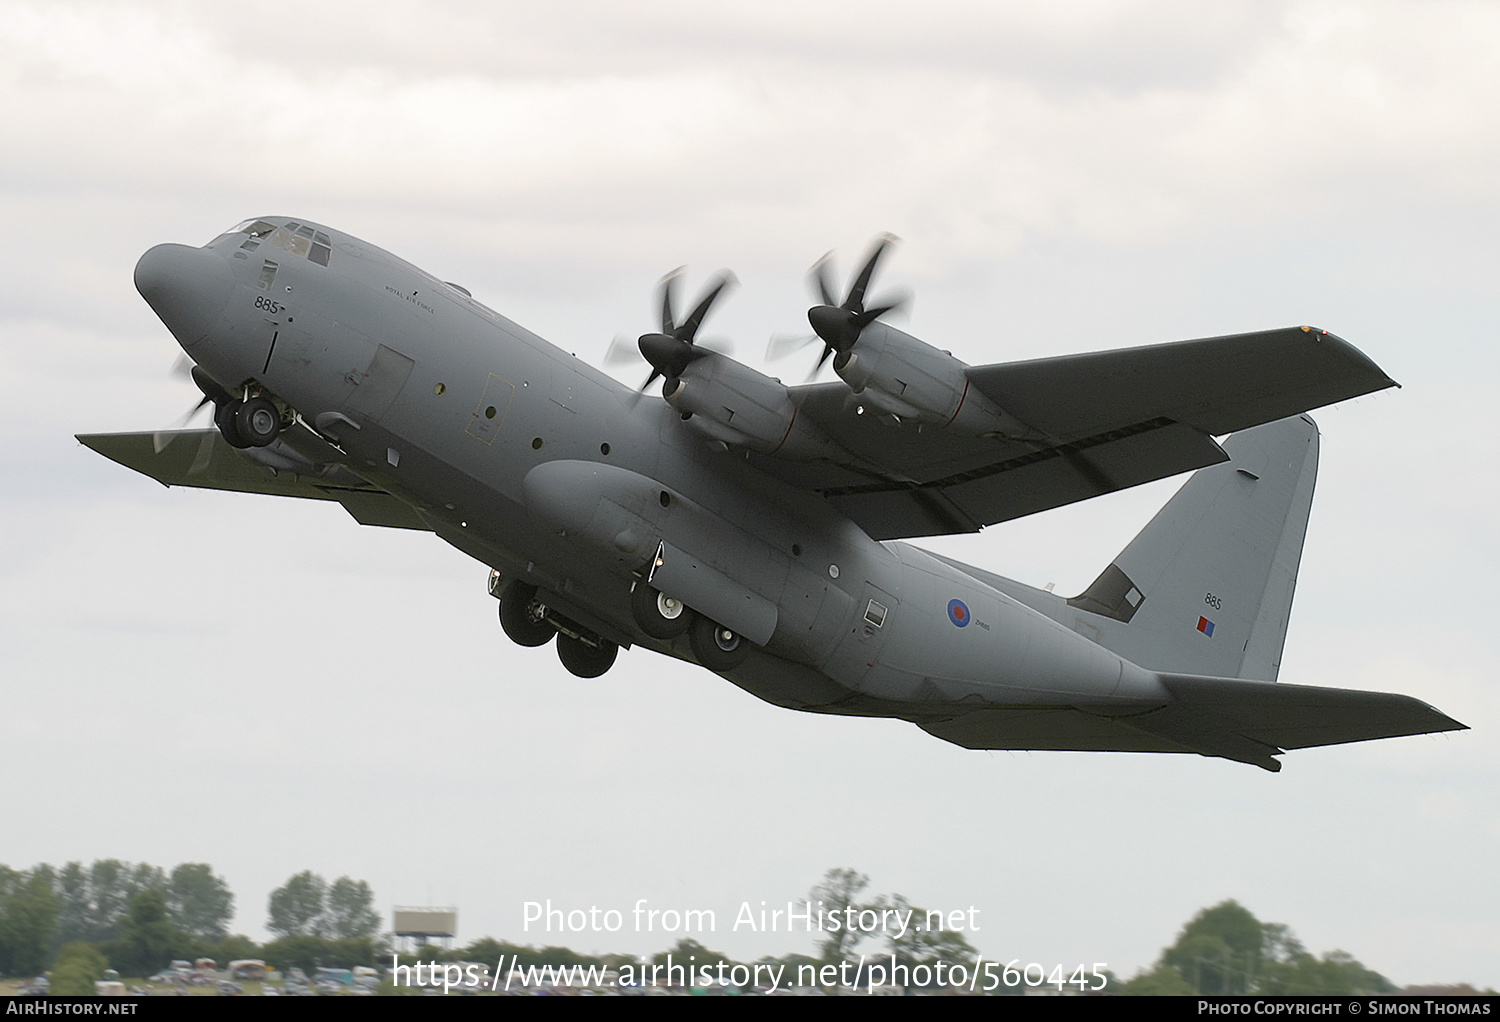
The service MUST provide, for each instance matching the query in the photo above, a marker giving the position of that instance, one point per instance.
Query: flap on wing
(936, 483)
(376, 507)
(1027, 483)
(201, 458)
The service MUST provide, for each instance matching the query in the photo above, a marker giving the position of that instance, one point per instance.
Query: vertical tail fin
(1206, 588)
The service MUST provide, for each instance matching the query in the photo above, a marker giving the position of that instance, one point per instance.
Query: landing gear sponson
(528, 621)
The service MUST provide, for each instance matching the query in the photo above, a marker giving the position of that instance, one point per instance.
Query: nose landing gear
(258, 420)
(253, 422)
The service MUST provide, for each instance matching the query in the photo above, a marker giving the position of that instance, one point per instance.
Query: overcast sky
(265, 686)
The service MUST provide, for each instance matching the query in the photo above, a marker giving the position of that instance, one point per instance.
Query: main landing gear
(523, 616)
(585, 658)
(715, 646)
(528, 621)
(659, 615)
(663, 617)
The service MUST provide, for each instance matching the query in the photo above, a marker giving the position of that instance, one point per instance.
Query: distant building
(418, 925)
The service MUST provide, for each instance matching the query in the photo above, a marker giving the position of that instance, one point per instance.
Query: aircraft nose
(187, 287)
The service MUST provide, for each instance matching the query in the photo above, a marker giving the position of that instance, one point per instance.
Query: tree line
(127, 908)
(137, 917)
(1226, 950)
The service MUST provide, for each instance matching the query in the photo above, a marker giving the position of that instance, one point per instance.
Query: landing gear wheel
(583, 660)
(523, 616)
(659, 615)
(715, 646)
(225, 416)
(258, 421)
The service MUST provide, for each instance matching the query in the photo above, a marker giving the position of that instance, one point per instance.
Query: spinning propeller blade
(671, 350)
(212, 393)
(839, 326)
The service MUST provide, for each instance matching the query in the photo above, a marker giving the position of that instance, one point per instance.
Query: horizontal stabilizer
(1230, 718)
(1236, 718)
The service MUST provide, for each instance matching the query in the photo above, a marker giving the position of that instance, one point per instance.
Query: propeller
(670, 350)
(839, 324)
(212, 394)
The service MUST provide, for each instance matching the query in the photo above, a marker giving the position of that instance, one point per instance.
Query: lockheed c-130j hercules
(755, 528)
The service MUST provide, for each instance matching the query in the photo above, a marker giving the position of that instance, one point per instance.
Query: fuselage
(551, 472)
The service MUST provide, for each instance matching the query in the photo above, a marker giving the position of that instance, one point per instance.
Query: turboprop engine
(907, 380)
(892, 373)
(729, 402)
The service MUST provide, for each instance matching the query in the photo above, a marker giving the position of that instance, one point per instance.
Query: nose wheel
(716, 647)
(252, 423)
(224, 418)
(258, 421)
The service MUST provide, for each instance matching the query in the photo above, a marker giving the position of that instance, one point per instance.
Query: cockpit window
(255, 228)
(297, 238)
(283, 237)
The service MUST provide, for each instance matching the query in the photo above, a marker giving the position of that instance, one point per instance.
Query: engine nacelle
(896, 374)
(735, 405)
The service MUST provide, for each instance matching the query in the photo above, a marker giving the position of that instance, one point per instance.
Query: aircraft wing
(1095, 423)
(201, 458)
(1231, 718)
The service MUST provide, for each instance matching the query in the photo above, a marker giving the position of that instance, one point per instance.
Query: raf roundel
(958, 613)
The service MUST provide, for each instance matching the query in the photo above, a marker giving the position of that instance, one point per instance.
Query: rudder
(1206, 587)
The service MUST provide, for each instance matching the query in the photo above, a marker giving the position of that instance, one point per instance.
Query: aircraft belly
(955, 640)
(813, 612)
(743, 580)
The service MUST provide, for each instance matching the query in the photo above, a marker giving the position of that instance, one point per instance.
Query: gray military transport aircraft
(754, 528)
